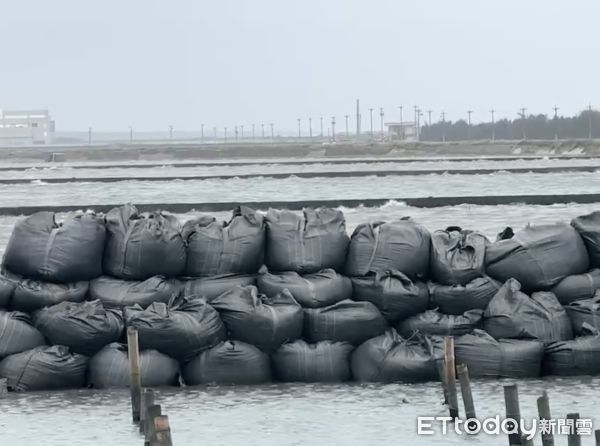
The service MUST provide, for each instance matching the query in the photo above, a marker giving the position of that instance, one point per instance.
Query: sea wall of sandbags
(287, 296)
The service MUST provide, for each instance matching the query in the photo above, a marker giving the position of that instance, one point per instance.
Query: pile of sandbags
(585, 311)
(213, 286)
(435, 323)
(117, 293)
(457, 299)
(580, 356)
(17, 334)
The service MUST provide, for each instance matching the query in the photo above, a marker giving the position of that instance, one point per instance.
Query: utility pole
(299, 128)
(492, 111)
(224, 134)
(242, 132)
(469, 126)
(358, 118)
(523, 116)
(400, 108)
(310, 128)
(371, 120)
(590, 121)
(381, 121)
(263, 130)
(130, 135)
(170, 133)
(90, 135)
(333, 128)
(201, 133)
(555, 108)
(429, 120)
(417, 121)
(321, 127)
(235, 131)
(272, 131)
(443, 126)
(347, 132)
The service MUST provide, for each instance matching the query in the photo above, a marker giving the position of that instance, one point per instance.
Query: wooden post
(543, 404)
(597, 432)
(151, 413)
(162, 432)
(147, 401)
(135, 383)
(3, 386)
(511, 400)
(574, 439)
(442, 372)
(465, 389)
(450, 373)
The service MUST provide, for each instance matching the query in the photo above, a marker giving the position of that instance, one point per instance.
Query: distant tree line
(531, 127)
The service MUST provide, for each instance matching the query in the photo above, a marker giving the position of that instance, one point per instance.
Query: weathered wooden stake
(597, 432)
(543, 404)
(511, 401)
(442, 372)
(151, 413)
(147, 401)
(3, 386)
(465, 389)
(574, 439)
(450, 373)
(135, 383)
(162, 432)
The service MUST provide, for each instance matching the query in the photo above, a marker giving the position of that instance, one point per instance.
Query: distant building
(23, 127)
(403, 131)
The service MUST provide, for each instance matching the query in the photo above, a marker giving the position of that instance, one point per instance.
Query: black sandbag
(457, 256)
(7, 288)
(487, 357)
(181, 329)
(310, 290)
(391, 358)
(456, 299)
(538, 256)
(142, 245)
(30, 295)
(230, 362)
(393, 293)
(71, 251)
(434, 323)
(324, 361)
(211, 287)
(513, 314)
(109, 368)
(84, 327)
(266, 322)
(577, 287)
(44, 368)
(17, 334)
(588, 227)
(401, 245)
(306, 243)
(233, 247)
(580, 356)
(346, 321)
(586, 311)
(117, 293)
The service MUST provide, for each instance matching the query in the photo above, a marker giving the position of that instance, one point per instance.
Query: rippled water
(349, 414)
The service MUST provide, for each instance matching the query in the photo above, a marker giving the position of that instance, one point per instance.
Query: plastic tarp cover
(212, 287)
(234, 247)
(30, 295)
(109, 368)
(84, 327)
(434, 323)
(457, 299)
(181, 329)
(577, 287)
(17, 334)
(393, 293)
(39, 248)
(346, 321)
(457, 256)
(487, 357)
(580, 356)
(230, 362)
(401, 245)
(538, 256)
(513, 314)
(139, 246)
(266, 322)
(117, 293)
(324, 361)
(7, 288)
(391, 358)
(588, 227)
(306, 243)
(44, 368)
(586, 311)
(310, 290)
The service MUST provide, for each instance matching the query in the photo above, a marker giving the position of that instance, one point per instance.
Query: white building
(24, 127)
(406, 131)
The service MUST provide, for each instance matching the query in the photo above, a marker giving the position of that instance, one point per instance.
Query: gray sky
(150, 63)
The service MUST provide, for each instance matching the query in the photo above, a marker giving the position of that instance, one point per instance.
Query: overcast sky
(150, 63)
